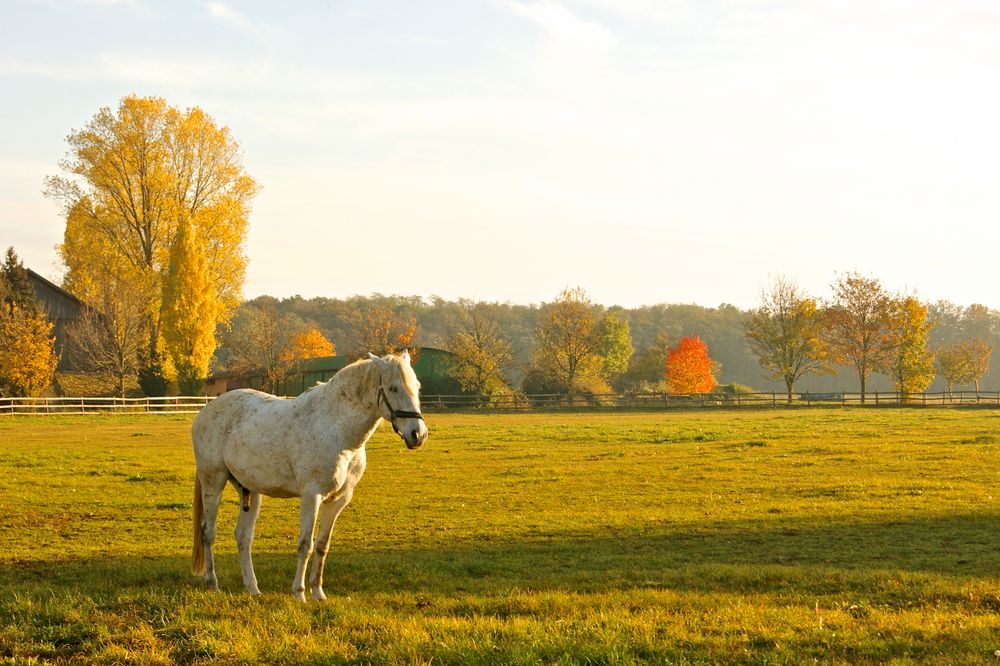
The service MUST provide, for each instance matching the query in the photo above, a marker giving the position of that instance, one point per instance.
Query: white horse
(312, 447)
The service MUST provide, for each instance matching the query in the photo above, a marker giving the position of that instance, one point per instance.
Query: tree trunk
(788, 385)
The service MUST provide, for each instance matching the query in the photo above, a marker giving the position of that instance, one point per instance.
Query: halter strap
(395, 413)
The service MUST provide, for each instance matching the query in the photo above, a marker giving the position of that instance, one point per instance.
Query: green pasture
(773, 536)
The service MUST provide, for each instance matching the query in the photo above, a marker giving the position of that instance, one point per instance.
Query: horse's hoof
(300, 595)
(254, 592)
(318, 595)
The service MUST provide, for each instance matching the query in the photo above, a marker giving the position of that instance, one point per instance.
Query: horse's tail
(198, 550)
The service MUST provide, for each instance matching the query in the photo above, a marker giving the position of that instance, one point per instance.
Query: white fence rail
(167, 405)
(430, 403)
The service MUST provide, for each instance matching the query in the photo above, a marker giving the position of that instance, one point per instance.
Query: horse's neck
(351, 398)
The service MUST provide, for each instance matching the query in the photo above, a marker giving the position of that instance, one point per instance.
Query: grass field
(785, 536)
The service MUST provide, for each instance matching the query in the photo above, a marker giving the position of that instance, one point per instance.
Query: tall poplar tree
(190, 308)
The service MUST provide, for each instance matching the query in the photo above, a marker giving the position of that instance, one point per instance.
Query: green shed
(430, 364)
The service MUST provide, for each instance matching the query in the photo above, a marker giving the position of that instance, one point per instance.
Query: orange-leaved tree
(689, 368)
(308, 343)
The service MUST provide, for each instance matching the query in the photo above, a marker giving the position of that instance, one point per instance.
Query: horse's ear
(379, 362)
(405, 356)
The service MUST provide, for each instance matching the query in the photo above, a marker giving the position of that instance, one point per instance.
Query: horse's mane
(357, 382)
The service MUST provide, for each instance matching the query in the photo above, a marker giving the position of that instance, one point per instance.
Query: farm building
(430, 364)
(61, 308)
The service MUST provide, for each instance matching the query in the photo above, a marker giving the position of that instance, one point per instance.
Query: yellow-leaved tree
(380, 330)
(190, 308)
(481, 352)
(27, 351)
(785, 332)
(909, 361)
(568, 342)
(27, 346)
(132, 174)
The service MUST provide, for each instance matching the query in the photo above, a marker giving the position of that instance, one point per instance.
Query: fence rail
(652, 401)
(167, 405)
(670, 400)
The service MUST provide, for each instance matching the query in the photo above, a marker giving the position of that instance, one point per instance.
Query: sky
(649, 151)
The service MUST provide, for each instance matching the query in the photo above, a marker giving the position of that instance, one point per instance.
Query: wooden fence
(630, 401)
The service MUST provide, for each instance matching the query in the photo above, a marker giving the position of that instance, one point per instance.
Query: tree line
(861, 337)
(862, 327)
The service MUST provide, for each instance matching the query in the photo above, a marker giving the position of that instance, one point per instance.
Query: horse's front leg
(308, 509)
(327, 518)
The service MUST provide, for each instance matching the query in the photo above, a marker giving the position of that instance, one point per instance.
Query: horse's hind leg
(211, 494)
(244, 540)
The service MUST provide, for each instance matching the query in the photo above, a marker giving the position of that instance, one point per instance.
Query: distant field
(772, 536)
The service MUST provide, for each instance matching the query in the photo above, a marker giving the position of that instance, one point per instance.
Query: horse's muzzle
(415, 437)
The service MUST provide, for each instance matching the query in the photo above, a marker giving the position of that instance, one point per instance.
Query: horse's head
(399, 397)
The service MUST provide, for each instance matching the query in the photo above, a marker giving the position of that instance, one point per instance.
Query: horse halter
(395, 413)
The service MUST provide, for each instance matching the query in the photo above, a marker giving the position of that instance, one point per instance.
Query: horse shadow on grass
(812, 558)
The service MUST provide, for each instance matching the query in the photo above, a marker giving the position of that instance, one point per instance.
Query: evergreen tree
(16, 288)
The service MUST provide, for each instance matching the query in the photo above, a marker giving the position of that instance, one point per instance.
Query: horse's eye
(393, 389)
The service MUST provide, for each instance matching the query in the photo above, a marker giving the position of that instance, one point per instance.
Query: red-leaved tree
(689, 369)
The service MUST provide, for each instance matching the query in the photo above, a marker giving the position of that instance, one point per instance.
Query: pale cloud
(570, 50)
(241, 22)
(103, 3)
(262, 74)
(563, 29)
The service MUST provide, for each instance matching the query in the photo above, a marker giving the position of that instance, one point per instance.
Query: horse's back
(226, 416)
(248, 435)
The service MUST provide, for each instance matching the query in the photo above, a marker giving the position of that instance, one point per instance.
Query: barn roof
(48, 284)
